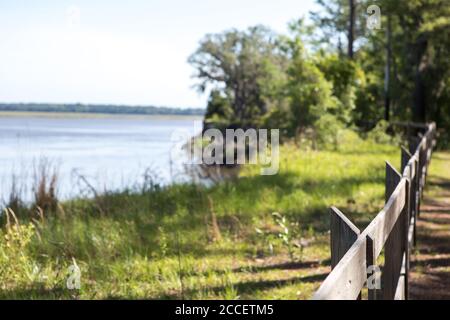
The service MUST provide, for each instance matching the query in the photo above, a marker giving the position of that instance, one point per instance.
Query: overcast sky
(121, 52)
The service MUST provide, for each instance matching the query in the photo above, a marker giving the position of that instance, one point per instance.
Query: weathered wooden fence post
(407, 169)
(343, 235)
(372, 276)
(393, 254)
(414, 143)
(416, 200)
(423, 165)
(415, 183)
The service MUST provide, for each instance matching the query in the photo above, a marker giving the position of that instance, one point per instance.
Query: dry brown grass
(15, 199)
(45, 186)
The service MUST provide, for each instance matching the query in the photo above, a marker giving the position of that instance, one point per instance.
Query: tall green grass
(191, 241)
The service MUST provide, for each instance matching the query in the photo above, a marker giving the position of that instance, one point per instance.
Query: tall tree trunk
(351, 28)
(340, 49)
(387, 72)
(419, 95)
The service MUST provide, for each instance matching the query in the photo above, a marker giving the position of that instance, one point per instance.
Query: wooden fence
(354, 253)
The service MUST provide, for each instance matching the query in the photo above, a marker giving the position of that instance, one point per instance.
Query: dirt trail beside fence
(430, 265)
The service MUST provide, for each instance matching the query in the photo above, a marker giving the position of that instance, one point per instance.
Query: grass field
(188, 241)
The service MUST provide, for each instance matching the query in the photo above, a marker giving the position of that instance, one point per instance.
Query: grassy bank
(187, 241)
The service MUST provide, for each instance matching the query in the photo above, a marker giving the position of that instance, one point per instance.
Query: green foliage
(347, 79)
(163, 241)
(379, 134)
(333, 21)
(264, 80)
(310, 94)
(369, 90)
(417, 36)
(280, 118)
(15, 264)
(285, 234)
(328, 128)
(261, 79)
(244, 67)
(218, 111)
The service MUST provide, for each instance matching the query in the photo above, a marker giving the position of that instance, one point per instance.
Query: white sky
(122, 52)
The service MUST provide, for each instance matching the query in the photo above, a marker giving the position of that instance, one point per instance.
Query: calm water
(111, 152)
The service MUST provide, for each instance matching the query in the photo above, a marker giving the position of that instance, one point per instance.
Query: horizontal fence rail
(354, 253)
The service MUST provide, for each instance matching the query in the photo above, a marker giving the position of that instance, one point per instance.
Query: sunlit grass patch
(188, 241)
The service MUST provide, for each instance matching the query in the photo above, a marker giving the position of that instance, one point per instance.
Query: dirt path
(430, 273)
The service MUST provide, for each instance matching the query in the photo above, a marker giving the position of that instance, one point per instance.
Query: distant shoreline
(94, 115)
(107, 109)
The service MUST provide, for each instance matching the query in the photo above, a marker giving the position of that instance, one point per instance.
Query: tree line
(335, 72)
(107, 109)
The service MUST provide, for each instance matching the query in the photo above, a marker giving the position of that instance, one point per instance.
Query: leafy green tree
(245, 67)
(405, 64)
(338, 20)
(347, 79)
(218, 111)
(420, 48)
(401, 71)
(310, 94)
